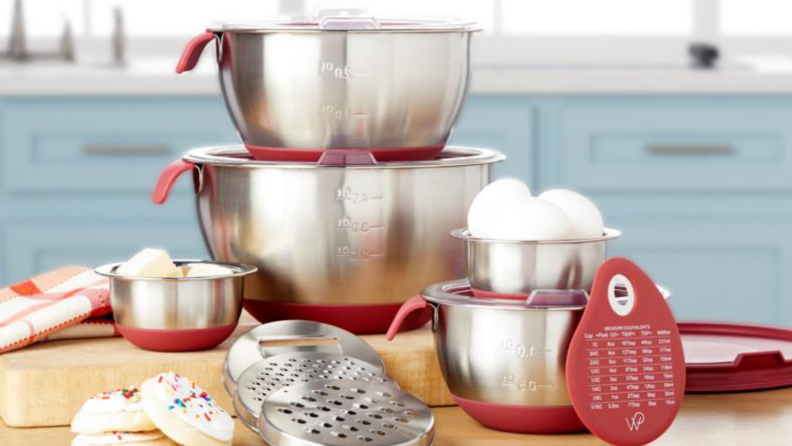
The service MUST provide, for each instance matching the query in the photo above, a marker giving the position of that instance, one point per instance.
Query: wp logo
(636, 421)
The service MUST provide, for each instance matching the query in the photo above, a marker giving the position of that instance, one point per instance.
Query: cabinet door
(503, 125)
(35, 248)
(104, 146)
(717, 270)
(674, 147)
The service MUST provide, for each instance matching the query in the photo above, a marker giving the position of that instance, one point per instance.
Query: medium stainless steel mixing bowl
(341, 81)
(360, 237)
(503, 352)
(520, 267)
(503, 360)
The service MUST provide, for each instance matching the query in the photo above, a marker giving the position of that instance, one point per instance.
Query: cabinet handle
(689, 149)
(126, 149)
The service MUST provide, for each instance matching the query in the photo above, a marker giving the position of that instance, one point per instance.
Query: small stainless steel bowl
(520, 267)
(177, 313)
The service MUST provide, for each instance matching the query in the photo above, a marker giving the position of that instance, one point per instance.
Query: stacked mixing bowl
(344, 191)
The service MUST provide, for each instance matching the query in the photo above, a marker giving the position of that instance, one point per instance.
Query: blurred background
(675, 116)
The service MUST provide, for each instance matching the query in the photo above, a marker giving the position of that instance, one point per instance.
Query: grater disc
(341, 413)
(269, 375)
(249, 348)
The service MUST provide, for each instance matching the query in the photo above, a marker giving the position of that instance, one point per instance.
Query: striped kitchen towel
(68, 303)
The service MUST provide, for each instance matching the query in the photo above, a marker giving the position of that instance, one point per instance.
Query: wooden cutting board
(45, 384)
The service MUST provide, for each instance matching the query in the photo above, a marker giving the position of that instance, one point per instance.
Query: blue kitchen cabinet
(501, 124)
(77, 174)
(700, 186)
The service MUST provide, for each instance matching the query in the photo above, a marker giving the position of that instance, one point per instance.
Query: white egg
(528, 218)
(493, 197)
(585, 218)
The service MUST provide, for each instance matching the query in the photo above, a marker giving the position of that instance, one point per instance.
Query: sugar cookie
(154, 438)
(185, 413)
(116, 411)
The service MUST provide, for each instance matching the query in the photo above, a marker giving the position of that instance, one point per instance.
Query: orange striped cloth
(68, 303)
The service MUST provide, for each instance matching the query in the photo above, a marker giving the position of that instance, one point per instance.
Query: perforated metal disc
(269, 375)
(341, 413)
(251, 348)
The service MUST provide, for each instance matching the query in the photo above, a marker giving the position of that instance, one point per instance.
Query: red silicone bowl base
(313, 155)
(482, 294)
(357, 319)
(188, 340)
(523, 419)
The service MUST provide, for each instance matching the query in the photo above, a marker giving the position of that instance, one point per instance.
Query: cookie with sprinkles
(183, 411)
(154, 438)
(116, 411)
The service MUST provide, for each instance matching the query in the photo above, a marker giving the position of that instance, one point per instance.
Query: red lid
(625, 367)
(733, 358)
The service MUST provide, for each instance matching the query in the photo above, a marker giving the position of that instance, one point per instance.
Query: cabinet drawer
(677, 148)
(31, 249)
(506, 126)
(717, 271)
(104, 146)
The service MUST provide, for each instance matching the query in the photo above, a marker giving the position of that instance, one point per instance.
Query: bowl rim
(239, 270)
(237, 156)
(607, 235)
(443, 293)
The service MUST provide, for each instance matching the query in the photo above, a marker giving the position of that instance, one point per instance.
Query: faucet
(17, 42)
(119, 43)
(17, 45)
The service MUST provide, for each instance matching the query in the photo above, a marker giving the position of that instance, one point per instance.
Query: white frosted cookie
(154, 438)
(185, 413)
(117, 411)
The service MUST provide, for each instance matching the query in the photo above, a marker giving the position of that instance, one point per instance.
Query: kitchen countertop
(761, 418)
(156, 77)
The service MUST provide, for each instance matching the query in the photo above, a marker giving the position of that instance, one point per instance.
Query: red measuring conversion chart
(630, 365)
(626, 367)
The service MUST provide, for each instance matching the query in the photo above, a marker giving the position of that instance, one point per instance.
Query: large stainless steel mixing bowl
(341, 82)
(361, 238)
(506, 267)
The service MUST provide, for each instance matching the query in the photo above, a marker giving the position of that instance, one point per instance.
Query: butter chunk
(149, 263)
(207, 270)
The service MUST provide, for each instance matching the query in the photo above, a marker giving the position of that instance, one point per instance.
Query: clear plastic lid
(351, 20)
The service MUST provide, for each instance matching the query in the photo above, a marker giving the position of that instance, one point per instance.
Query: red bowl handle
(415, 308)
(192, 52)
(168, 178)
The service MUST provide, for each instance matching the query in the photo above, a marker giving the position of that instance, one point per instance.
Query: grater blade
(269, 375)
(248, 349)
(341, 413)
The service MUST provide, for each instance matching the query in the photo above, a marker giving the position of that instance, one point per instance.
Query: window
(756, 17)
(600, 17)
(516, 32)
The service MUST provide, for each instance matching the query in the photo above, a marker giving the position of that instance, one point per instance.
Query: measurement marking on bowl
(523, 385)
(521, 350)
(356, 254)
(347, 224)
(331, 112)
(353, 196)
(344, 72)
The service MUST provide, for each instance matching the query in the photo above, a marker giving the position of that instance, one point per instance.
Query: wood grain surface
(69, 372)
(755, 418)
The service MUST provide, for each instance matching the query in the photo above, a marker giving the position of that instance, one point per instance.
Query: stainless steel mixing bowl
(177, 313)
(345, 236)
(503, 360)
(503, 352)
(341, 80)
(520, 267)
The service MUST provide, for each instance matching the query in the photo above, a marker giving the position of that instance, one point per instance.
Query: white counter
(156, 77)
